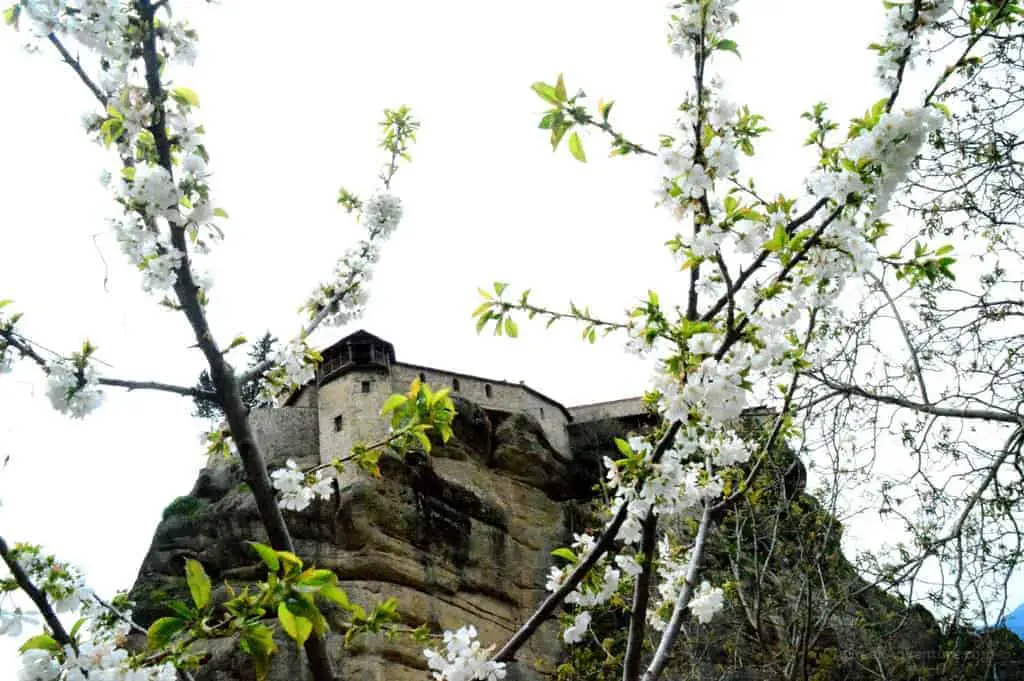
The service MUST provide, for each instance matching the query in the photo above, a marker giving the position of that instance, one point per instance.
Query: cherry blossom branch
(603, 544)
(779, 278)
(155, 385)
(76, 66)
(661, 655)
(905, 58)
(641, 597)
(773, 437)
(256, 371)
(745, 274)
(619, 141)
(38, 597)
(185, 674)
(24, 347)
(221, 373)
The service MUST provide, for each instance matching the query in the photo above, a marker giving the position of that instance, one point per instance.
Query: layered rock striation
(462, 536)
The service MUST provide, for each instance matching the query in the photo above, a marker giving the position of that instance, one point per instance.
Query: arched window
(487, 389)
(338, 420)
(542, 412)
(455, 385)
(423, 377)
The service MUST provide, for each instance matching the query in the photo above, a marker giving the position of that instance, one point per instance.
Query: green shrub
(185, 507)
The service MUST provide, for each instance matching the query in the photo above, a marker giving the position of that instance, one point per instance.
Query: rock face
(463, 536)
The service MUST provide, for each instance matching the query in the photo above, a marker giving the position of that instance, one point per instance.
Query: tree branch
(76, 66)
(155, 385)
(38, 597)
(932, 408)
(604, 543)
(661, 655)
(641, 596)
(221, 373)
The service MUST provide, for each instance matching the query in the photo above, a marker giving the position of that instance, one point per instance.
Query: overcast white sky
(290, 101)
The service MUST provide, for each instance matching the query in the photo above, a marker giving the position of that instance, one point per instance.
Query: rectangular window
(338, 420)
(365, 386)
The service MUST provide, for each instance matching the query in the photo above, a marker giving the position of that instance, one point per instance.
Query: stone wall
(349, 411)
(615, 409)
(494, 395)
(287, 433)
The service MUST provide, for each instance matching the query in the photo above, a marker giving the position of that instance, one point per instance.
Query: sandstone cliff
(462, 537)
(465, 537)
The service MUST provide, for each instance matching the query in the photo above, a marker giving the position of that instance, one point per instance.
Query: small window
(423, 378)
(542, 412)
(487, 389)
(365, 386)
(455, 385)
(338, 420)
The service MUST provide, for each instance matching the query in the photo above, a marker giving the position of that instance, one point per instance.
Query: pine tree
(259, 352)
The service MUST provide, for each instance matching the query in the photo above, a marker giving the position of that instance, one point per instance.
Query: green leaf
(510, 328)
(336, 594)
(163, 630)
(546, 92)
(560, 89)
(424, 440)
(258, 642)
(392, 403)
(317, 578)
(180, 608)
(623, 447)
(198, 583)
(484, 307)
(40, 642)
(727, 45)
(268, 555)
(557, 133)
(185, 96)
(499, 287)
(220, 213)
(5, 302)
(943, 108)
(576, 148)
(605, 108)
(566, 554)
(11, 15)
(299, 628)
(290, 559)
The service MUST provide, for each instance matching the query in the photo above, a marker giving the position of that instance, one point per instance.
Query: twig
(604, 543)
(60, 635)
(661, 655)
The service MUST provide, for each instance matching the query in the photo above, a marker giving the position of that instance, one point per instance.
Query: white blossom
(73, 391)
(297, 489)
(382, 214)
(38, 665)
(575, 632)
(706, 602)
(6, 358)
(12, 622)
(464, 659)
